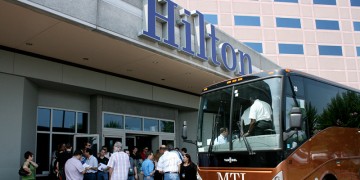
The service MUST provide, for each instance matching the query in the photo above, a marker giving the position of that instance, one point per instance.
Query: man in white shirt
(245, 119)
(222, 138)
(169, 164)
(92, 162)
(260, 117)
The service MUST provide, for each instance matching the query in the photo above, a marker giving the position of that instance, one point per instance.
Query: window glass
(355, 2)
(288, 22)
(151, 125)
(327, 24)
(82, 122)
(356, 26)
(42, 152)
(330, 50)
(291, 1)
(167, 126)
(113, 121)
(255, 46)
(63, 121)
(325, 2)
(358, 51)
(133, 123)
(247, 20)
(43, 120)
(291, 49)
(211, 18)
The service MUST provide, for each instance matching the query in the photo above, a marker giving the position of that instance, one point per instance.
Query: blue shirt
(147, 167)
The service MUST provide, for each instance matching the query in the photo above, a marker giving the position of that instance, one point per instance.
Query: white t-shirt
(245, 116)
(260, 110)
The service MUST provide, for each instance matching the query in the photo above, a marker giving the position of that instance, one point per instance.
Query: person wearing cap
(119, 163)
(169, 163)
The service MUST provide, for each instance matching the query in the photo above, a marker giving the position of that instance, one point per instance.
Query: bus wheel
(329, 177)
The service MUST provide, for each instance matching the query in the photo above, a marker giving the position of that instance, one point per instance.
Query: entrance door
(110, 141)
(81, 140)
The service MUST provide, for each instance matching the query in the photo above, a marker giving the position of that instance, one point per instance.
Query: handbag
(22, 172)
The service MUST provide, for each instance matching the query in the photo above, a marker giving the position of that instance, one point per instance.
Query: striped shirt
(120, 163)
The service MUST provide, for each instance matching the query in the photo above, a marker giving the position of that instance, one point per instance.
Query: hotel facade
(105, 71)
(320, 37)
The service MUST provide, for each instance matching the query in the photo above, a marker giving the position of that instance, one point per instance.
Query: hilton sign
(205, 46)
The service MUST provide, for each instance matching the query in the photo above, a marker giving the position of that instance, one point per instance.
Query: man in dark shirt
(103, 173)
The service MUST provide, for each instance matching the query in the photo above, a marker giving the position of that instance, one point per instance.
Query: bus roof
(269, 73)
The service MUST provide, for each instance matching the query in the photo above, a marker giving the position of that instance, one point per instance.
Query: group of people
(167, 164)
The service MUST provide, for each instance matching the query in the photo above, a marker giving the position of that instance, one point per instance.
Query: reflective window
(133, 123)
(42, 152)
(288, 22)
(82, 122)
(355, 2)
(327, 24)
(330, 50)
(43, 120)
(63, 121)
(358, 51)
(151, 125)
(167, 126)
(113, 121)
(255, 46)
(356, 26)
(247, 20)
(291, 49)
(211, 18)
(291, 1)
(325, 2)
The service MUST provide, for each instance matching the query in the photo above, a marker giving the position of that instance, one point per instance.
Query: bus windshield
(225, 116)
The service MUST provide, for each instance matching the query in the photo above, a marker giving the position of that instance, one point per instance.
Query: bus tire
(329, 177)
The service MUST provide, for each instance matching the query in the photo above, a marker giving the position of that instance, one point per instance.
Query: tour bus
(314, 132)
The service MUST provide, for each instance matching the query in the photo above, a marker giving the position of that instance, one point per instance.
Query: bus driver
(260, 117)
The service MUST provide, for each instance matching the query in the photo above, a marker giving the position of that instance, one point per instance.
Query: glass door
(80, 141)
(109, 142)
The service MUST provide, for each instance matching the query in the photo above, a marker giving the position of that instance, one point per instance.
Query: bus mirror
(184, 131)
(295, 118)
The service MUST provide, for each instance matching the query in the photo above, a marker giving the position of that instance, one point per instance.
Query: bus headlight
(279, 176)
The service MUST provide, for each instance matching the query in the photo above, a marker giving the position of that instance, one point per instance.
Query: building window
(247, 20)
(114, 121)
(330, 50)
(56, 127)
(358, 51)
(290, 1)
(355, 2)
(151, 125)
(211, 18)
(291, 49)
(356, 26)
(167, 126)
(288, 22)
(133, 123)
(255, 46)
(325, 2)
(137, 123)
(327, 24)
